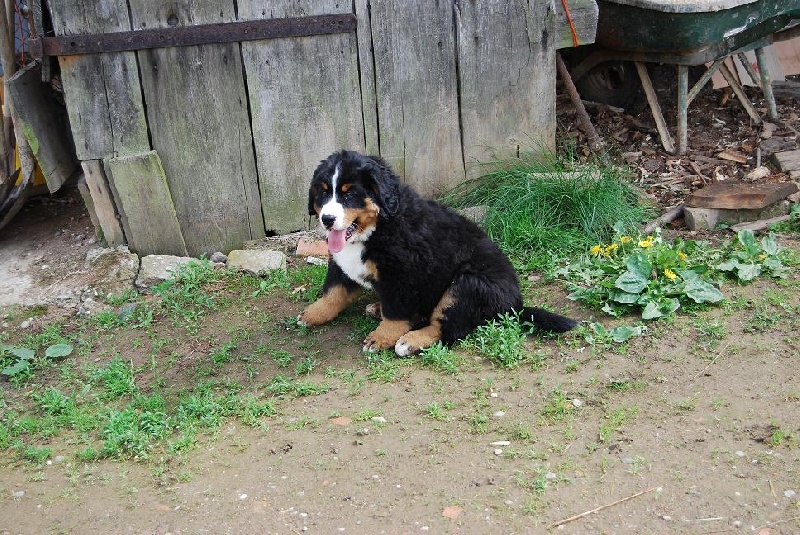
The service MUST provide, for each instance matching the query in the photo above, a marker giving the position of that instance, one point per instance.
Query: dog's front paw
(315, 314)
(385, 335)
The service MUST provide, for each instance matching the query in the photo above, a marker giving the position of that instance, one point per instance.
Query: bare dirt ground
(693, 428)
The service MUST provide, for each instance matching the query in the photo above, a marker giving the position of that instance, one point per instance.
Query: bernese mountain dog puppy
(438, 275)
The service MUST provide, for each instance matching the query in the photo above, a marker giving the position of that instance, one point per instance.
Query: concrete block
(709, 218)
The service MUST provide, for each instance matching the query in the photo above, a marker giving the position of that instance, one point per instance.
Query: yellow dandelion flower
(762, 256)
(668, 273)
(644, 244)
(625, 240)
(595, 249)
(682, 256)
(610, 249)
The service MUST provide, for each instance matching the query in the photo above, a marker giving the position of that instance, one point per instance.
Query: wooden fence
(194, 149)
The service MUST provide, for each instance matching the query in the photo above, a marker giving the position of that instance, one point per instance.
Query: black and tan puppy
(437, 275)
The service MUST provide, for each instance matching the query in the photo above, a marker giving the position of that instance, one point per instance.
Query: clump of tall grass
(542, 211)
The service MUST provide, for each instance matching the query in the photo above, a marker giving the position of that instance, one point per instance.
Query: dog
(438, 275)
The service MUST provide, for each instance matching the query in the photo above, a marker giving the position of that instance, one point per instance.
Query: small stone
(18, 494)
(218, 258)
(242, 496)
(494, 395)
(25, 324)
(59, 459)
(501, 443)
(499, 414)
(379, 419)
(667, 517)
(789, 494)
(509, 502)
(498, 451)
(551, 476)
(316, 261)
(739, 453)
(363, 432)
(577, 403)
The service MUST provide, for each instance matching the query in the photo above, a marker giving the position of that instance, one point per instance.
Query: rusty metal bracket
(225, 32)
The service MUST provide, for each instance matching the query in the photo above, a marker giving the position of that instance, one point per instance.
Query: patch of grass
(501, 340)
(557, 407)
(282, 386)
(542, 211)
(191, 293)
(440, 357)
(116, 378)
(615, 419)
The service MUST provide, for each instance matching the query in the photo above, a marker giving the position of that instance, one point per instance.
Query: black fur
(422, 249)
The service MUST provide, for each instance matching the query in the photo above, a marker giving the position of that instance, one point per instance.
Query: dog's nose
(328, 221)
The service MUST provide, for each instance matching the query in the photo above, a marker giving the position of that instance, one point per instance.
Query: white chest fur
(350, 260)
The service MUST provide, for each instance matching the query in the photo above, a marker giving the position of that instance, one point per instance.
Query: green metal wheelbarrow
(686, 33)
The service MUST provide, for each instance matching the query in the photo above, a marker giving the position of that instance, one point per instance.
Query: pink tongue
(336, 239)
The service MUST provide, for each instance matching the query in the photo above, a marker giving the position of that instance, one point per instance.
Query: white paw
(300, 321)
(403, 349)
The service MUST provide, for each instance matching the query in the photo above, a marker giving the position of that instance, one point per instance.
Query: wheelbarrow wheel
(13, 198)
(615, 83)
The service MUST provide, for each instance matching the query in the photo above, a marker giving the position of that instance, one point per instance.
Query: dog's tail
(547, 321)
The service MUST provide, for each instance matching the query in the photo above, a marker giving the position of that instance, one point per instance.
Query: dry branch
(596, 509)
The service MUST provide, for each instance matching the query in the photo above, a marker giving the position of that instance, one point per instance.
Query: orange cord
(572, 29)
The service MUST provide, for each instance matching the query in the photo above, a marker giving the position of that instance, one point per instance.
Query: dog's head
(350, 193)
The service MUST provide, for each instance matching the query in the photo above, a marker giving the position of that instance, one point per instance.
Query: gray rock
(157, 268)
(256, 261)
(218, 258)
(709, 218)
(112, 271)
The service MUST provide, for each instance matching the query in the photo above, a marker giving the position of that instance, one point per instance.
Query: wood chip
(733, 156)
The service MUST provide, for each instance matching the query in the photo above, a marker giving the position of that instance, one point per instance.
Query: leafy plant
(649, 273)
(748, 258)
(17, 361)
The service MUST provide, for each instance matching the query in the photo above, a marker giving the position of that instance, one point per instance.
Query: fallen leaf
(452, 511)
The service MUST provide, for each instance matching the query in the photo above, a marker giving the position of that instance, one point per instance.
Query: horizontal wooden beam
(224, 32)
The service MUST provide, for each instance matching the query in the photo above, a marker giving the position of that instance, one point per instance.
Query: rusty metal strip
(225, 32)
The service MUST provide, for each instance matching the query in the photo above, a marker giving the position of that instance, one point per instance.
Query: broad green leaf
(728, 265)
(748, 241)
(701, 291)
(57, 351)
(770, 245)
(20, 366)
(624, 297)
(632, 282)
(623, 333)
(651, 311)
(640, 265)
(19, 352)
(748, 272)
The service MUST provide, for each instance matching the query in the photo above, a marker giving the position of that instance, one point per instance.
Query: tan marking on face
(365, 218)
(386, 334)
(328, 306)
(346, 187)
(325, 186)
(413, 341)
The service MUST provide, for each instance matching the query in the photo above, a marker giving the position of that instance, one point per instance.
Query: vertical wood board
(305, 102)
(102, 91)
(43, 125)
(507, 80)
(417, 91)
(366, 67)
(145, 205)
(104, 204)
(197, 112)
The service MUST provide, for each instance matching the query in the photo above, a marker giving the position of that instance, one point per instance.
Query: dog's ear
(385, 184)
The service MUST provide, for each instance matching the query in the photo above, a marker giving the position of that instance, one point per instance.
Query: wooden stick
(583, 117)
(712, 362)
(670, 215)
(596, 509)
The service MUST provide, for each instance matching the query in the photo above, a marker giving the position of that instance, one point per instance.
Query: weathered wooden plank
(417, 91)
(197, 112)
(86, 195)
(507, 79)
(40, 121)
(369, 101)
(305, 102)
(104, 205)
(102, 91)
(145, 205)
(583, 14)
